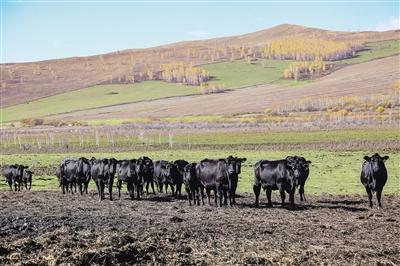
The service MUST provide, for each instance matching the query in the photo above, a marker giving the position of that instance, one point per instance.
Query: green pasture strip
(221, 138)
(331, 172)
(96, 96)
(374, 50)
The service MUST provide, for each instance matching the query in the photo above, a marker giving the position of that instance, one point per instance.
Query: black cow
(178, 180)
(282, 175)
(27, 179)
(127, 173)
(192, 184)
(145, 172)
(374, 176)
(74, 172)
(160, 175)
(215, 175)
(234, 177)
(304, 172)
(103, 173)
(13, 174)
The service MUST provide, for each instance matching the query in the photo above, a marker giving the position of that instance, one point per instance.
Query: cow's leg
(220, 193)
(378, 198)
(119, 185)
(173, 189)
(197, 195)
(110, 187)
(30, 184)
(26, 185)
(19, 186)
(369, 192)
(208, 192)
(161, 187)
(256, 190)
(291, 198)
(15, 186)
(72, 188)
(63, 188)
(179, 189)
(138, 190)
(152, 187)
(80, 186)
(269, 193)
(10, 184)
(283, 196)
(301, 192)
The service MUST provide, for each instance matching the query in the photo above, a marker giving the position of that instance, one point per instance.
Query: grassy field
(375, 50)
(129, 138)
(331, 172)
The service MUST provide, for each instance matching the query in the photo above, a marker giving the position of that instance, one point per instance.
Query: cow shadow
(345, 202)
(302, 207)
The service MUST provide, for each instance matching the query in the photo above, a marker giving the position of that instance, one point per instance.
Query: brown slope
(367, 78)
(24, 82)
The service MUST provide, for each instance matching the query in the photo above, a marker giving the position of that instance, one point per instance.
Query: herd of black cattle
(220, 175)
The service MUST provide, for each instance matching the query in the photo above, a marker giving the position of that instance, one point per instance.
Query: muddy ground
(48, 228)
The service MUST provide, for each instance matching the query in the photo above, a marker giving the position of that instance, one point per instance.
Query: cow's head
(234, 164)
(377, 162)
(171, 171)
(189, 171)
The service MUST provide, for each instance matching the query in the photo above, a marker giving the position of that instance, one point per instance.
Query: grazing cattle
(27, 179)
(215, 175)
(192, 184)
(111, 170)
(160, 174)
(234, 176)
(145, 172)
(303, 174)
(374, 176)
(282, 175)
(74, 172)
(100, 173)
(13, 174)
(127, 174)
(178, 180)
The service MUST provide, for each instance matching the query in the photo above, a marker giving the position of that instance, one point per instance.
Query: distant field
(235, 74)
(232, 74)
(331, 172)
(375, 50)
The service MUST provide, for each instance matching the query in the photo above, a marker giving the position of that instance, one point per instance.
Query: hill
(24, 82)
(367, 78)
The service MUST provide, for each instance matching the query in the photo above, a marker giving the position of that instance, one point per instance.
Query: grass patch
(239, 73)
(331, 172)
(96, 96)
(374, 50)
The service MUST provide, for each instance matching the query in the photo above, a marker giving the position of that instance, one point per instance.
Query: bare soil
(48, 228)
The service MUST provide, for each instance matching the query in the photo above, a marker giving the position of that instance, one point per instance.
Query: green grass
(236, 74)
(374, 50)
(331, 172)
(96, 96)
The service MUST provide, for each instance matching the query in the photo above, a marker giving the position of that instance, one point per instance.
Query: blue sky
(46, 30)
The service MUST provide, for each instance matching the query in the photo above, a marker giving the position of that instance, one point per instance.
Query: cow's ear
(384, 158)
(243, 160)
(26, 167)
(308, 162)
(367, 158)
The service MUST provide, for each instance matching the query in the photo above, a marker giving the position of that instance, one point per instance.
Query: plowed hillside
(24, 82)
(372, 77)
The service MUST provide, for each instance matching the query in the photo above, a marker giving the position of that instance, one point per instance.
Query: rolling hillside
(24, 82)
(367, 78)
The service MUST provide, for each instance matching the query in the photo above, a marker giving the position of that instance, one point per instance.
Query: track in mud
(48, 228)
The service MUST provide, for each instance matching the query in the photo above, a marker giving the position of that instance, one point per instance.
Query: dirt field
(48, 228)
(368, 78)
